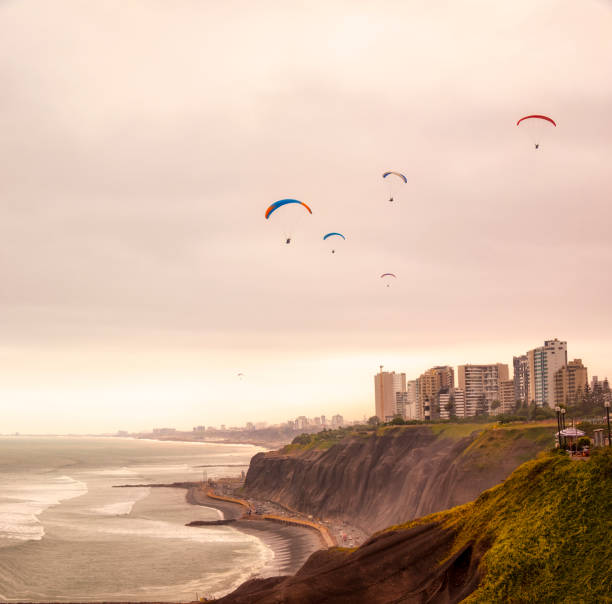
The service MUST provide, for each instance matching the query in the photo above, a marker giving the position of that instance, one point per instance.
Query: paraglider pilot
(288, 240)
(537, 145)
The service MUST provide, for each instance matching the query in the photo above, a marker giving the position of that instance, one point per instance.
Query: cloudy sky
(141, 141)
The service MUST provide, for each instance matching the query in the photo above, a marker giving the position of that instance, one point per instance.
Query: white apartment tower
(481, 385)
(543, 363)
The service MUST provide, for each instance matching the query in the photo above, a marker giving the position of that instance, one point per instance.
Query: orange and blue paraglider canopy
(283, 202)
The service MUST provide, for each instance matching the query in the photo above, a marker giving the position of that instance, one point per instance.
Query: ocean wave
(122, 508)
(23, 500)
(158, 469)
(159, 529)
(124, 471)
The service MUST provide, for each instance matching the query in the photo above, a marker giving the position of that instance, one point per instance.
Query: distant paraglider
(288, 225)
(536, 125)
(331, 237)
(387, 276)
(394, 176)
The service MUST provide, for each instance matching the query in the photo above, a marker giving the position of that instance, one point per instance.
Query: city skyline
(140, 150)
(544, 376)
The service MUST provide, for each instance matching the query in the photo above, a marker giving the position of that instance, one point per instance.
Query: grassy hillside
(539, 432)
(547, 531)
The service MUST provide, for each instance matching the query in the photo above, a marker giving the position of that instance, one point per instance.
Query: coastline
(291, 544)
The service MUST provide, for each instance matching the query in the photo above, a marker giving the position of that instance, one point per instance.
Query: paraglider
(387, 277)
(288, 221)
(331, 236)
(394, 175)
(536, 125)
(283, 202)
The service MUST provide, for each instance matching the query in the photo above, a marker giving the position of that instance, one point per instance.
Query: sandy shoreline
(292, 545)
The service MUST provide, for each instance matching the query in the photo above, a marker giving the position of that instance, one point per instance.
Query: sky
(141, 142)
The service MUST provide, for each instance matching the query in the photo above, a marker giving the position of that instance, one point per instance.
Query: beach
(292, 544)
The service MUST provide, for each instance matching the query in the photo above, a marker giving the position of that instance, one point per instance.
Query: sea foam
(23, 500)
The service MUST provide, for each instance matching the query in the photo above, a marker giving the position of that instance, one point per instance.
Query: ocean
(67, 535)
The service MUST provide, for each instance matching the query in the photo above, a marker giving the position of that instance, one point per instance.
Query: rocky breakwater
(375, 478)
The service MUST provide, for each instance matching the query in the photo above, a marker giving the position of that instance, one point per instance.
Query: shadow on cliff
(395, 566)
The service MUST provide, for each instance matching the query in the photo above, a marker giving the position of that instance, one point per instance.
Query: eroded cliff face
(377, 480)
(410, 566)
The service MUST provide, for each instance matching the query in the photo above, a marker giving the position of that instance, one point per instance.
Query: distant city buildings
(337, 421)
(302, 422)
(542, 377)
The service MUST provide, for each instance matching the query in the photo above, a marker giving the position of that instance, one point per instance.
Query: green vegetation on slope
(490, 434)
(547, 529)
(325, 439)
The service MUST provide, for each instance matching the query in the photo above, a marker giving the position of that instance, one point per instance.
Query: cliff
(544, 535)
(381, 477)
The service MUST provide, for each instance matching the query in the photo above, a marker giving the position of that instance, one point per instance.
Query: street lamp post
(558, 412)
(607, 406)
(563, 427)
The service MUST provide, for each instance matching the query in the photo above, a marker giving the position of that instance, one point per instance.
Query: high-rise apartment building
(543, 363)
(459, 395)
(412, 411)
(481, 384)
(386, 384)
(452, 403)
(521, 378)
(430, 384)
(570, 381)
(506, 396)
(401, 402)
(406, 403)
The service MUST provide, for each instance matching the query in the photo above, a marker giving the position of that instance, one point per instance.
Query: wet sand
(292, 545)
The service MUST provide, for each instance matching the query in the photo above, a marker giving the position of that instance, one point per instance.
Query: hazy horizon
(142, 141)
